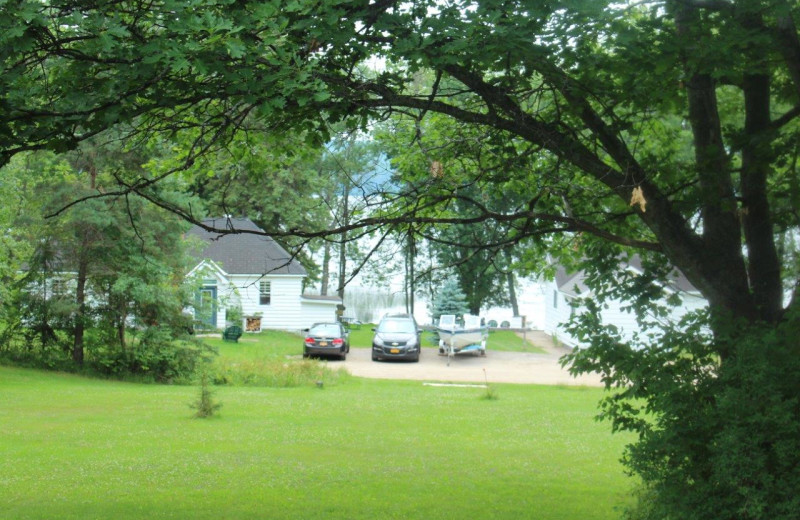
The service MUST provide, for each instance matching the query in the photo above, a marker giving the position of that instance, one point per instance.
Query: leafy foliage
(105, 278)
(707, 426)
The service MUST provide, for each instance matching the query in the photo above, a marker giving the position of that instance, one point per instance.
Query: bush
(717, 418)
(643, 508)
(505, 324)
(153, 355)
(234, 316)
(24, 348)
(493, 324)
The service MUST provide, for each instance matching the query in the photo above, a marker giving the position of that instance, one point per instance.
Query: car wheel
(416, 359)
(343, 354)
(374, 357)
(305, 355)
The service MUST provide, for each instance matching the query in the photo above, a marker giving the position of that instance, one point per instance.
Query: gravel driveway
(499, 367)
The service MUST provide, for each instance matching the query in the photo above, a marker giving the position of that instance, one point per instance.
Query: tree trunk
(83, 269)
(763, 265)
(80, 301)
(123, 316)
(720, 265)
(343, 245)
(405, 279)
(326, 268)
(411, 254)
(512, 292)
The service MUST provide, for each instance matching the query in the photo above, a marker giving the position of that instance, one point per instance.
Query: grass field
(77, 448)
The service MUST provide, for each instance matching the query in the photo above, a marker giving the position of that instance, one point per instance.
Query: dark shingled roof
(243, 253)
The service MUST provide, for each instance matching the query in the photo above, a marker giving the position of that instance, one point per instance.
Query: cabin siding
(287, 310)
(317, 312)
(558, 312)
(283, 312)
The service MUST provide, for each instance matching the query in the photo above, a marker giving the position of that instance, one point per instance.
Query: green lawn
(77, 448)
(271, 344)
(507, 340)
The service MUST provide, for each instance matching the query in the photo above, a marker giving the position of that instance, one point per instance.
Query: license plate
(394, 351)
(323, 343)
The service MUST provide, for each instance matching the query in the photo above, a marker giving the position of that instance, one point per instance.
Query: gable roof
(676, 279)
(570, 283)
(241, 252)
(574, 283)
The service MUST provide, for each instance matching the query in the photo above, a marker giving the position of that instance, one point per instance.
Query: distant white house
(254, 272)
(568, 286)
(530, 293)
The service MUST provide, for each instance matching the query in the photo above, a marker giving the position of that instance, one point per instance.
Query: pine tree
(450, 300)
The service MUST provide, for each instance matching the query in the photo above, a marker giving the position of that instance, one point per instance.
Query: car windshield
(405, 326)
(326, 329)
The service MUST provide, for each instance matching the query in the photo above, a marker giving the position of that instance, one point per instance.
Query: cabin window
(265, 293)
(555, 299)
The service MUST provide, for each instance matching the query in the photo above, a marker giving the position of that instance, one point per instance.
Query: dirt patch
(496, 367)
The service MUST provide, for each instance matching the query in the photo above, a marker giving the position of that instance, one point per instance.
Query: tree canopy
(693, 159)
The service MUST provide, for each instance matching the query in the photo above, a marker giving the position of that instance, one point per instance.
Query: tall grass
(270, 358)
(275, 373)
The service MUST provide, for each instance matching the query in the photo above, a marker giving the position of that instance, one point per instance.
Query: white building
(566, 287)
(254, 272)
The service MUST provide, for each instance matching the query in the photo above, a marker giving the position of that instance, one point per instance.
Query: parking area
(496, 367)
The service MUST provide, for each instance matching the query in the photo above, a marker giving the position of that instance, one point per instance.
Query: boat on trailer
(457, 339)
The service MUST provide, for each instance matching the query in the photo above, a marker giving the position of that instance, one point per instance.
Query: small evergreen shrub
(205, 404)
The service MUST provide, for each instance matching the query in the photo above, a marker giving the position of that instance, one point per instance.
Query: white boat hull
(460, 339)
(454, 338)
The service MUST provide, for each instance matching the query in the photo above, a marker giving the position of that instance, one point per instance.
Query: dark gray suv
(396, 337)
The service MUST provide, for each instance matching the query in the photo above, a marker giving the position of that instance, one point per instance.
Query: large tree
(667, 127)
(105, 281)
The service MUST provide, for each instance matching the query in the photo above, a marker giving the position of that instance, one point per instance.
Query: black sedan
(329, 339)
(396, 337)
